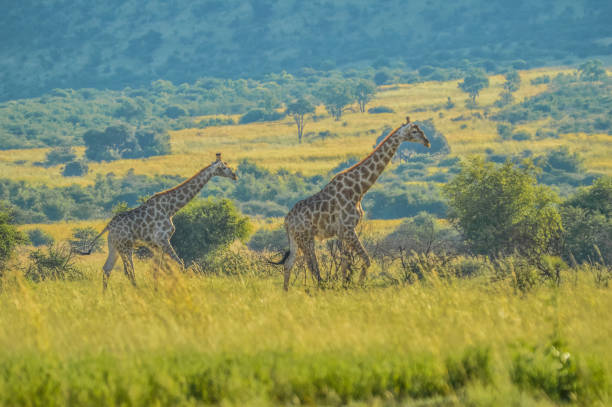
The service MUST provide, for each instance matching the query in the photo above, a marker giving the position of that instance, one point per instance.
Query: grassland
(274, 144)
(192, 340)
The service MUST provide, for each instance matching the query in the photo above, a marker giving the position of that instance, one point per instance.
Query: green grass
(191, 340)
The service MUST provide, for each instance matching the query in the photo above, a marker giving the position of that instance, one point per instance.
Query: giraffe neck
(365, 173)
(179, 196)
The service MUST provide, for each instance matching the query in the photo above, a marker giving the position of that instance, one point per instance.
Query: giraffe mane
(182, 183)
(369, 155)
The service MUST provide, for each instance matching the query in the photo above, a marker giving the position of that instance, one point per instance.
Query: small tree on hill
(298, 110)
(502, 209)
(364, 92)
(336, 96)
(513, 81)
(473, 83)
(592, 71)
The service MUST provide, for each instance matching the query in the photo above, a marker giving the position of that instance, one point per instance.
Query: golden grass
(274, 144)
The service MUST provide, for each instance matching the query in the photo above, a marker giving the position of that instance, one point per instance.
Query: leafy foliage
(10, 236)
(52, 263)
(207, 225)
(123, 142)
(475, 81)
(39, 237)
(502, 209)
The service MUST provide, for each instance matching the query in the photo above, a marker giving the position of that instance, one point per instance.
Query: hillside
(114, 44)
(276, 171)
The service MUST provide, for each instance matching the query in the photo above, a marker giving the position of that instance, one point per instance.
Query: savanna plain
(492, 338)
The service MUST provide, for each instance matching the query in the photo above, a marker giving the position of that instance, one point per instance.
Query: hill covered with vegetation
(114, 44)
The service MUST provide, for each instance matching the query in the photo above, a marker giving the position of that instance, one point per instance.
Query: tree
(206, 225)
(592, 71)
(298, 110)
(335, 96)
(121, 141)
(513, 81)
(587, 223)
(473, 83)
(10, 236)
(501, 209)
(364, 92)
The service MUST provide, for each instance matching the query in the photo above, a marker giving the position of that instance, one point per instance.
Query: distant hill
(117, 43)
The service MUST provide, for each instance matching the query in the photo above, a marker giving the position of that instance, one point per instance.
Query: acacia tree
(473, 83)
(335, 96)
(501, 209)
(513, 81)
(298, 110)
(592, 71)
(364, 92)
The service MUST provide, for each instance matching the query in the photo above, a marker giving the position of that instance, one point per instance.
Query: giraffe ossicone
(151, 222)
(336, 210)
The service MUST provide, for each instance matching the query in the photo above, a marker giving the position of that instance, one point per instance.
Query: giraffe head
(221, 169)
(411, 132)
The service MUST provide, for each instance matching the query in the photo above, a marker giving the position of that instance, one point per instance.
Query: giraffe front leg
(169, 250)
(355, 244)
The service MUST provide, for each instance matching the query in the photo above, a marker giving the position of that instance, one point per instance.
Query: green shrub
(555, 371)
(39, 237)
(10, 236)
(380, 109)
(206, 225)
(82, 239)
(59, 155)
(501, 209)
(52, 263)
(474, 364)
(260, 115)
(273, 240)
(75, 169)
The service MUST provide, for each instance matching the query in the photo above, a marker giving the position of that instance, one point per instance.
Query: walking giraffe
(151, 222)
(336, 210)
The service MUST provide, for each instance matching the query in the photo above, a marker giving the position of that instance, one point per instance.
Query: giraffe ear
(218, 156)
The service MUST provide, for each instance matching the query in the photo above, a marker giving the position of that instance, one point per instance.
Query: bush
(82, 239)
(206, 225)
(380, 109)
(59, 155)
(502, 209)
(504, 131)
(174, 112)
(558, 373)
(260, 115)
(75, 169)
(272, 240)
(10, 236)
(122, 141)
(423, 234)
(521, 136)
(38, 237)
(53, 263)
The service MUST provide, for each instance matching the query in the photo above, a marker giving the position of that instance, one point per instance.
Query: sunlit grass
(251, 315)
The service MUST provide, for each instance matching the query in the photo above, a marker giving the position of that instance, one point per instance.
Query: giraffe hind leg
(290, 261)
(357, 247)
(109, 264)
(128, 266)
(308, 248)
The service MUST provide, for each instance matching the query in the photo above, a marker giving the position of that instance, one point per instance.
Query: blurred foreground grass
(189, 339)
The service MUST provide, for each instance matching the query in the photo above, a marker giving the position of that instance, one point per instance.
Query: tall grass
(187, 339)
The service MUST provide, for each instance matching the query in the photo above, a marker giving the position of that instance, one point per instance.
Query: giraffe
(336, 210)
(151, 222)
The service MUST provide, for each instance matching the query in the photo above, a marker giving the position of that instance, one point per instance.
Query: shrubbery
(206, 225)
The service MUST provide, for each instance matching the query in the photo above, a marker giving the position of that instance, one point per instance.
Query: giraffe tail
(91, 244)
(283, 260)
